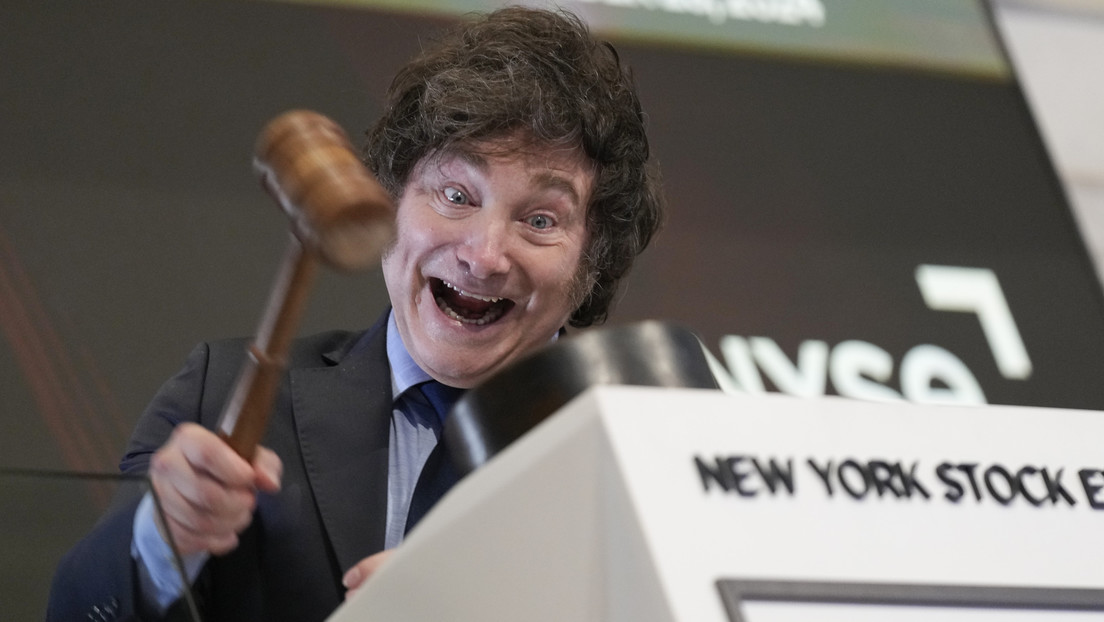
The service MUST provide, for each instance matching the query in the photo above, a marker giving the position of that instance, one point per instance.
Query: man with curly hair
(516, 154)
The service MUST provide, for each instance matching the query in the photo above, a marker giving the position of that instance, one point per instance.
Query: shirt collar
(405, 373)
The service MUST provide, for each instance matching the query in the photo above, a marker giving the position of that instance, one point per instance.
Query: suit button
(104, 615)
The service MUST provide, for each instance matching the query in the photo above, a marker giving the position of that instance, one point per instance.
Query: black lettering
(1020, 475)
(955, 490)
(738, 476)
(772, 474)
(823, 473)
(864, 476)
(1090, 488)
(1010, 482)
(882, 474)
(910, 482)
(721, 476)
(1055, 488)
(968, 468)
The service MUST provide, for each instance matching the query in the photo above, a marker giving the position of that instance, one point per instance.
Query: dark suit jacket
(330, 426)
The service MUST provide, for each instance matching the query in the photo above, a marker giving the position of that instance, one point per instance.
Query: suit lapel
(343, 416)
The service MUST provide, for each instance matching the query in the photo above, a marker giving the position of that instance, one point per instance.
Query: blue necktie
(438, 474)
(440, 396)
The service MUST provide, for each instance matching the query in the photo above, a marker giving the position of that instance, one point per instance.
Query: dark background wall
(804, 195)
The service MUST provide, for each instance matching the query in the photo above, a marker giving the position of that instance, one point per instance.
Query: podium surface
(690, 505)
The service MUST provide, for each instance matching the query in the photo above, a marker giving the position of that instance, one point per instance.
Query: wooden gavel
(339, 215)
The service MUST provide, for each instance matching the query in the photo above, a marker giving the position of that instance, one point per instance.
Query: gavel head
(337, 208)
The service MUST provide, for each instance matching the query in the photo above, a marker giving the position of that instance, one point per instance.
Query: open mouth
(468, 308)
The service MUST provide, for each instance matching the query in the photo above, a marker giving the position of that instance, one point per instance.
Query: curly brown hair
(542, 75)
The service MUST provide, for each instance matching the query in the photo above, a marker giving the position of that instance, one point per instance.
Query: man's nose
(484, 251)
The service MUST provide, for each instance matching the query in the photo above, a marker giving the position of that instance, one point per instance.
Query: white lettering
(725, 380)
(929, 374)
(806, 379)
(854, 367)
(925, 363)
(858, 369)
(737, 356)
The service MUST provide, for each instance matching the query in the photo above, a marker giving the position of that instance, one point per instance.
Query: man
(516, 153)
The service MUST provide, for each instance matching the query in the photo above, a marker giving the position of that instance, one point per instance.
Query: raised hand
(208, 492)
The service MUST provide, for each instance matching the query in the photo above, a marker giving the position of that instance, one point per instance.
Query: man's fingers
(208, 492)
(196, 528)
(210, 454)
(185, 488)
(269, 470)
(363, 570)
(185, 526)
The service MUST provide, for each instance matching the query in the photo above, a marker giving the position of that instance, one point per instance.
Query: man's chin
(462, 379)
(466, 356)
(459, 365)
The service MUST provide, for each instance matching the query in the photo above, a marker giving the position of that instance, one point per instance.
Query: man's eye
(540, 221)
(454, 195)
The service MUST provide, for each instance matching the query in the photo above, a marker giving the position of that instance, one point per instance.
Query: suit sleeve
(97, 579)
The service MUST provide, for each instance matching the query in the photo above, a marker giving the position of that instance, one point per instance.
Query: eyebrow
(557, 182)
(468, 157)
(545, 180)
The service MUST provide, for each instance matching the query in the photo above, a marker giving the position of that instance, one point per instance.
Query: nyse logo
(928, 373)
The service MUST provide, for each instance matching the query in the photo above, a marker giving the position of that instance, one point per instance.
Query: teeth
(486, 319)
(469, 295)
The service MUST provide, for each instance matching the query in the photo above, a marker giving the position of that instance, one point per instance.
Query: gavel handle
(245, 416)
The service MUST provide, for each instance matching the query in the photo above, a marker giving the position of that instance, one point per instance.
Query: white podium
(635, 504)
